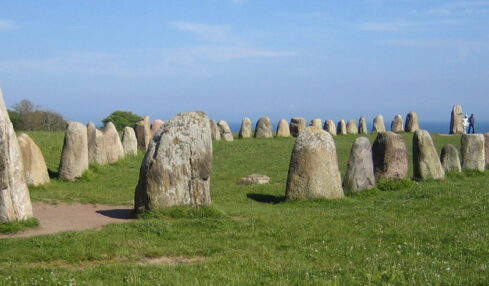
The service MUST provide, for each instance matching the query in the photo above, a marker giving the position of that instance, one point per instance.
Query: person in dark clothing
(471, 124)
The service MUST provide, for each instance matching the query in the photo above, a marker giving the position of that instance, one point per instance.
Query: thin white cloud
(8, 25)
(386, 26)
(457, 8)
(213, 33)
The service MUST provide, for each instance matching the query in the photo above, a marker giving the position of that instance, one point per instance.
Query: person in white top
(465, 123)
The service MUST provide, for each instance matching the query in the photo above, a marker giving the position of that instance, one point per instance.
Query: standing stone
(215, 132)
(412, 122)
(156, 126)
(176, 169)
(297, 124)
(456, 120)
(263, 128)
(362, 126)
(283, 129)
(341, 130)
(113, 145)
(351, 127)
(245, 130)
(129, 141)
(390, 156)
(426, 163)
(450, 160)
(96, 145)
(330, 127)
(379, 125)
(317, 123)
(225, 131)
(360, 173)
(143, 133)
(313, 170)
(397, 124)
(486, 148)
(472, 149)
(36, 172)
(74, 158)
(15, 202)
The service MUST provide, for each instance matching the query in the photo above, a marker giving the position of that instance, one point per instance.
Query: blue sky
(235, 58)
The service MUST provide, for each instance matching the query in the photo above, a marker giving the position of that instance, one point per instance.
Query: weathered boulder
(450, 160)
(156, 126)
(456, 120)
(362, 126)
(412, 122)
(263, 128)
(341, 129)
(96, 145)
(486, 148)
(74, 157)
(360, 173)
(313, 170)
(113, 145)
(36, 172)
(317, 123)
(472, 151)
(297, 124)
(225, 131)
(255, 179)
(283, 129)
(426, 163)
(176, 169)
(379, 125)
(15, 202)
(215, 132)
(143, 133)
(129, 141)
(351, 127)
(397, 124)
(390, 156)
(330, 127)
(245, 130)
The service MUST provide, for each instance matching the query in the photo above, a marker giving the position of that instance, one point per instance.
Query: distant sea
(431, 126)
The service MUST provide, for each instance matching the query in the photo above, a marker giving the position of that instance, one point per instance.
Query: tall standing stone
(360, 172)
(351, 127)
(215, 132)
(113, 145)
(129, 141)
(472, 151)
(397, 124)
(143, 133)
(450, 160)
(36, 172)
(176, 169)
(486, 148)
(317, 123)
(341, 129)
(426, 163)
(457, 120)
(297, 124)
(283, 129)
(362, 125)
(390, 156)
(412, 122)
(96, 145)
(156, 126)
(379, 125)
(74, 158)
(330, 127)
(245, 130)
(15, 202)
(263, 128)
(225, 131)
(313, 170)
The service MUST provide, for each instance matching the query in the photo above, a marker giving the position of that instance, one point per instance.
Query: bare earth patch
(172, 260)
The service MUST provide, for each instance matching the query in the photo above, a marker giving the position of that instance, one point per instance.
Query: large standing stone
(450, 160)
(390, 156)
(297, 124)
(362, 126)
(456, 120)
(472, 149)
(156, 126)
(215, 132)
(317, 123)
(330, 127)
(283, 129)
(426, 163)
(263, 128)
(379, 125)
(360, 173)
(143, 133)
(351, 127)
(412, 122)
(341, 129)
(129, 141)
(36, 172)
(113, 145)
(397, 124)
(15, 202)
(176, 169)
(74, 158)
(225, 131)
(486, 148)
(313, 170)
(245, 130)
(96, 145)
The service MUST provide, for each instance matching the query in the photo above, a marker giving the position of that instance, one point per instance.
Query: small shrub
(16, 226)
(394, 185)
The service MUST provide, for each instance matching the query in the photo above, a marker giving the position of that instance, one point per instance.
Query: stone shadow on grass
(264, 198)
(53, 174)
(118, 213)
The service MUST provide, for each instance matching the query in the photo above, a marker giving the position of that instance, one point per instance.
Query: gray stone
(317, 123)
(297, 124)
(96, 145)
(412, 122)
(330, 127)
(390, 156)
(360, 172)
(426, 163)
(225, 131)
(156, 126)
(351, 127)
(341, 129)
(143, 133)
(255, 179)
(129, 141)
(456, 120)
(263, 128)
(283, 129)
(450, 160)
(113, 145)
(36, 172)
(379, 125)
(362, 126)
(397, 124)
(215, 132)
(74, 158)
(472, 151)
(245, 130)
(313, 170)
(176, 169)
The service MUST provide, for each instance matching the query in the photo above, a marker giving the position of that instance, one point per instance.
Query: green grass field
(428, 233)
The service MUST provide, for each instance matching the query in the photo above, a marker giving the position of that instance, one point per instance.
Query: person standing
(465, 123)
(472, 123)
